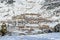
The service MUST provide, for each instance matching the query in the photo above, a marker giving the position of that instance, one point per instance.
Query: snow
(53, 24)
(24, 6)
(55, 18)
(19, 7)
(35, 25)
(48, 36)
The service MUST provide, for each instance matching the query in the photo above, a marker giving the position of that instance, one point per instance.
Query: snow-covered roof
(32, 25)
(52, 24)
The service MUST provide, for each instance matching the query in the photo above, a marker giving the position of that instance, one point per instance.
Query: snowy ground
(49, 36)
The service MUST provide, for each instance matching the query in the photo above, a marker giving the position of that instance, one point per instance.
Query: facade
(29, 23)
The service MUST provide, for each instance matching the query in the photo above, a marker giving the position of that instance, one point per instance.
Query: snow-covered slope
(50, 36)
(19, 7)
(28, 6)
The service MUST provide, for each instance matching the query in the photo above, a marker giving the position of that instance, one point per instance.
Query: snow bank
(50, 36)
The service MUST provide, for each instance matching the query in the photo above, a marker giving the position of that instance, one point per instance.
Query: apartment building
(26, 21)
